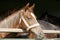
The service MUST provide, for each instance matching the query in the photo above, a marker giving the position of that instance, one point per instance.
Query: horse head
(29, 22)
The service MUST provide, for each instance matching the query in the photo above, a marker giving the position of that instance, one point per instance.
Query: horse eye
(29, 18)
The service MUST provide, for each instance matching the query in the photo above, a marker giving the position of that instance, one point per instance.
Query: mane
(11, 20)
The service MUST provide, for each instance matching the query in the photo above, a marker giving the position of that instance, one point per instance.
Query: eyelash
(28, 18)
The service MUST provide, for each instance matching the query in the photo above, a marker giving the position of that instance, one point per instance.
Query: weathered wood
(10, 30)
(52, 31)
(20, 30)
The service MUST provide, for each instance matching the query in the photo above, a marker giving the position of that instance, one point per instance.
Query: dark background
(52, 7)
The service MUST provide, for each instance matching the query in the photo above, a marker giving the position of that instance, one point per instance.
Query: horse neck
(11, 21)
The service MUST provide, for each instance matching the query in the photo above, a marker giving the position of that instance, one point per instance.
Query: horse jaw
(38, 32)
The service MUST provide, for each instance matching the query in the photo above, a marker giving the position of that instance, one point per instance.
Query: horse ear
(32, 6)
(26, 6)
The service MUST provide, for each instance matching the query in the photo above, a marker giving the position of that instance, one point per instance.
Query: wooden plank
(10, 30)
(52, 31)
(15, 39)
(20, 30)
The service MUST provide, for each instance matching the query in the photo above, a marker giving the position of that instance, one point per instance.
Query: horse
(24, 19)
(30, 22)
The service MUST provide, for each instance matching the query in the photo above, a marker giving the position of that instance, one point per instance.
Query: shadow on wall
(7, 5)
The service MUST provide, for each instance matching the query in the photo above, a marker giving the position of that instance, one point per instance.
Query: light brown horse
(29, 22)
(24, 18)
